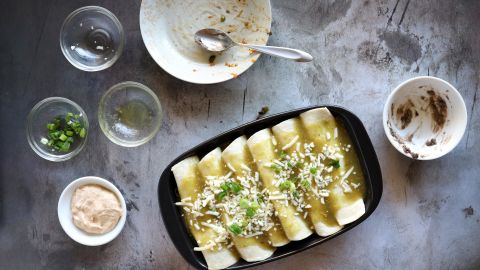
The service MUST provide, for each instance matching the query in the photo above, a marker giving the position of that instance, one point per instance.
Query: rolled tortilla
(320, 126)
(190, 184)
(262, 150)
(237, 156)
(250, 249)
(320, 215)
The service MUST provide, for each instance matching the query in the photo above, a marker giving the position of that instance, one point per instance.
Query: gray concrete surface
(362, 50)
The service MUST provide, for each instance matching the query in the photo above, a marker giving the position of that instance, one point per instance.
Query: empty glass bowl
(45, 112)
(92, 38)
(130, 114)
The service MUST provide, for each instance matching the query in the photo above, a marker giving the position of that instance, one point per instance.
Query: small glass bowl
(43, 113)
(130, 114)
(92, 38)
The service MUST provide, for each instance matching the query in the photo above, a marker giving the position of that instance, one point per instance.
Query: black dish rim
(168, 193)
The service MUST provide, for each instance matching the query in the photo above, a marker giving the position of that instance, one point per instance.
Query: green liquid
(134, 114)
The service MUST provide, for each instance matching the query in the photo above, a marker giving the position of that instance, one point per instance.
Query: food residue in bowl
(418, 119)
(405, 112)
(431, 142)
(244, 21)
(95, 209)
(438, 109)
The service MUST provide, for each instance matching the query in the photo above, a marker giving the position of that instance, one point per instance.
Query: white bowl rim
(104, 183)
(185, 78)
(449, 147)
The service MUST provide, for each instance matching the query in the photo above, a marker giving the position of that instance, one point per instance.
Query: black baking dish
(168, 193)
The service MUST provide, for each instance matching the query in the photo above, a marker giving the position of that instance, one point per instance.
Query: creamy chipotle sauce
(95, 209)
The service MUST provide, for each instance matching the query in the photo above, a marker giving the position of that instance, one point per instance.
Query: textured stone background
(362, 50)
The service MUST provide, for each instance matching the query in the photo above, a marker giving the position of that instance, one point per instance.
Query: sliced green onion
(63, 137)
(305, 184)
(335, 163)
(234, 187)
(235, 229)
(61, 132)
(82, 133)
(287, 185)
(65, 147)
(251, 212)
(51, 126)
(244, 203)
(221, 195)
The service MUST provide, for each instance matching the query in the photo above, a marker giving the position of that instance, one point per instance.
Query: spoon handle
(288, 53)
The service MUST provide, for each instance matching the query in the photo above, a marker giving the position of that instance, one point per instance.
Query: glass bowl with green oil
(130, 114)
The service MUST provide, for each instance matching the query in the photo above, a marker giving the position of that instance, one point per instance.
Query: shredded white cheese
(292, 142)
(231, 167)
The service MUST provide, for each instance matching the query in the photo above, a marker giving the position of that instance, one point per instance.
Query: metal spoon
(215, 40)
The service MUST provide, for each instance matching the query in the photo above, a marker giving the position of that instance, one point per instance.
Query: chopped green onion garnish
(61, 132)
(244, 203)
(82, 133)
(287, 185)
(224, 187)
(313, 170)
(234, 187)
(235, 229)
(221, 195)
(251, 212)
(65, 147)
(335, 164)
(305, 184)
(275, 168)
(63, 137)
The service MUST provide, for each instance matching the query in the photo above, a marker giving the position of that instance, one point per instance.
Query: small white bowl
(65, 213)
(425, 118)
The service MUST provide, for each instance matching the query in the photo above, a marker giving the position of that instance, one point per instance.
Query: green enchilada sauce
(191, 186)
(264, 154)
(338, 197)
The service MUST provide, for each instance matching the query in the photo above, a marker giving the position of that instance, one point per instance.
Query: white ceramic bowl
(425, 118)
(168, 28)
(65, 213)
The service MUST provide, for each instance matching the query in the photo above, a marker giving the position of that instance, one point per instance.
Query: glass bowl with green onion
(57, 128)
